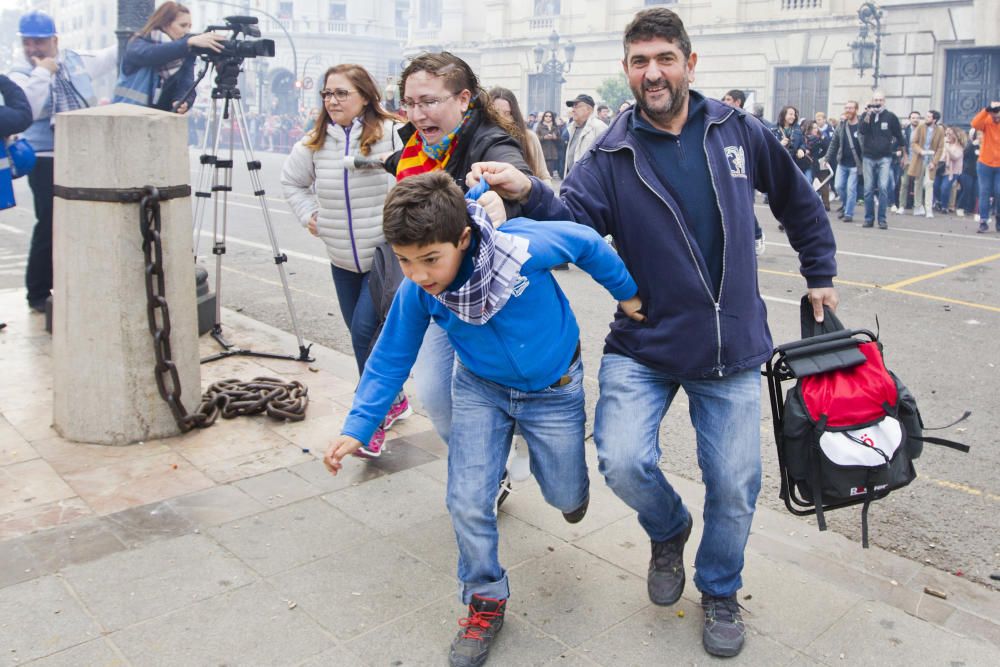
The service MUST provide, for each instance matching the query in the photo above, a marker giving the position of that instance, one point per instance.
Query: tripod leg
(222, 182)
(207, 160)
(279, 258)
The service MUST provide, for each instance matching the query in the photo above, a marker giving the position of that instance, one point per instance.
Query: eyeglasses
(425, 105)
(341, 94)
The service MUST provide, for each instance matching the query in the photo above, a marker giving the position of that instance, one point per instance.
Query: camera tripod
(220, 179)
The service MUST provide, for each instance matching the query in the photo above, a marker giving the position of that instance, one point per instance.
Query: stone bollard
(104, 378)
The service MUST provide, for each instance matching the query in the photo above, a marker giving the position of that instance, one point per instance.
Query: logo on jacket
(519, 286)
(737, 161)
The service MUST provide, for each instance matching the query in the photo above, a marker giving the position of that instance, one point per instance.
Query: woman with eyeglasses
(342, 205)
(506, 103)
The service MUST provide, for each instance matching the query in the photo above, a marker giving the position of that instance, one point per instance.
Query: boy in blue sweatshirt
(517, 343)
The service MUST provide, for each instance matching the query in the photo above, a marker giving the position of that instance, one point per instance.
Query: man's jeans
(846, 185)
(878, 172)
(725, 413)
(989, 186)
(551, 421)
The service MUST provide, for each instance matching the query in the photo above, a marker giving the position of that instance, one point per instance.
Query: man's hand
(342, 445)
(504, 179)
(50, 64)
(631, 307)
(494, 207)
(181, 108)
(311, 225)
(823, 296)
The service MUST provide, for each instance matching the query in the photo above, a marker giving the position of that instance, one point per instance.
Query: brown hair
(371, 117)
(531, 156)
(164, 15)
(658, 22)
(424, 209)
(458, 76)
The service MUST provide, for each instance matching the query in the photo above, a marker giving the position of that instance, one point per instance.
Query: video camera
(236, 48)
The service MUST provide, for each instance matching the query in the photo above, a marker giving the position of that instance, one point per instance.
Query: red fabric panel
(851, 396)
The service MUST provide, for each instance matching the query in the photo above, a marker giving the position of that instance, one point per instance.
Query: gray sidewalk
(233, 546)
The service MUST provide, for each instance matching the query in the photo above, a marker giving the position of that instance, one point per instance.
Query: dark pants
(357, 309)
(38, 279)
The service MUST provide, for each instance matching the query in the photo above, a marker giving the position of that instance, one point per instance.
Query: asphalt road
(930, 287)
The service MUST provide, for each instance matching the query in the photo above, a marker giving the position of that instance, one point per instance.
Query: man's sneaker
(867, 224)
(919, 210)
(883, 225)
(758, 245)
(983, 228)
(847, 218)
(724, 631)
(374, 448)
(665, 581)
(399, 411)
(960, 212)
(471, 645)
(576, 516)
(894, 209)
(930, 213)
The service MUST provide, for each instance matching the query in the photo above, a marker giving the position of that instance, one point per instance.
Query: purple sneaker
(373, 449)
(400, 410)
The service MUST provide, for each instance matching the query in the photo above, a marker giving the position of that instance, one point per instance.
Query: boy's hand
(494, 207)
(631, 307)
(342, 445)
(504, 179)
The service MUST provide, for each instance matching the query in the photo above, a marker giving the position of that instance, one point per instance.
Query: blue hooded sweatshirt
(693, 329)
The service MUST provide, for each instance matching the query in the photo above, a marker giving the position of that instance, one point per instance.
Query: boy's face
(433, 266)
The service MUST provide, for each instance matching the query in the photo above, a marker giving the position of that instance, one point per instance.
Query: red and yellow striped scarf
(417, 158)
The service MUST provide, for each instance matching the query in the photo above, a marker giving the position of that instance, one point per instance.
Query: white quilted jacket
(349, 201)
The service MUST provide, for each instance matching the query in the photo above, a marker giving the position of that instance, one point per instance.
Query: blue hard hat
(36, 24)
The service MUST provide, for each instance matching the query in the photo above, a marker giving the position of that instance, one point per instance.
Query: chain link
(229, 398)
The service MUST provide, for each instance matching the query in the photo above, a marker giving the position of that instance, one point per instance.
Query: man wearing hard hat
(53, 81)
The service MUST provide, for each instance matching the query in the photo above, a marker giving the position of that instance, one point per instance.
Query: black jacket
(880, 138)
(15, 113)
(842, 142)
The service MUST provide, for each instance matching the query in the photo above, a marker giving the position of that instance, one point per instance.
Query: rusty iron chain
(228, 398)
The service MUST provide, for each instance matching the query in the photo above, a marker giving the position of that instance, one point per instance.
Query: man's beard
(667, 110)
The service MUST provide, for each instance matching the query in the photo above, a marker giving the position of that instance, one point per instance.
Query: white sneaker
(930, 213)
(758, 245)
(518, 461)
(919, 210)
(894, 209)
(960, 212)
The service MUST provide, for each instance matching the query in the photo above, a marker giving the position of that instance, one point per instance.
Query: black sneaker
(471, 645)
(576, 516)
(847, 218)
(724, 631)
(867, 224)
(665, 581)
(983, 228)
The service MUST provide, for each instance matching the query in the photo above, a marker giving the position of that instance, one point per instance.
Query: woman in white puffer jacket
(339, 203)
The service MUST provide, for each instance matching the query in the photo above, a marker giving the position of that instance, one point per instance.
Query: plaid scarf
(419, 158)
(167, 69)
(65, 97)
(496, 271)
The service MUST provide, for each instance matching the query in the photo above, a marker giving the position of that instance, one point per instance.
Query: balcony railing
(541, 23)
(791, 5)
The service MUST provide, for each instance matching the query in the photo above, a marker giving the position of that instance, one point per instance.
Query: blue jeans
(878, 173)
(846, 185)
(989, 188)
(967, 196)
(725, 414)
(432, 376)
(551, 421)
(357, 309)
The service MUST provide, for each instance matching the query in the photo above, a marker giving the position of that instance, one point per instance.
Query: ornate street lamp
(554, 68)
(132, 15)
(865, 54)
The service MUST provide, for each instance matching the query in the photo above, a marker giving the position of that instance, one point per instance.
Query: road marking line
(883, 258)
(325, 297)
(967, 237)
(935, 274)
(792, 274)
(208, 209)
(778, 299)
(955, 486)
(319, 259)
(946, 299)
(12, 230)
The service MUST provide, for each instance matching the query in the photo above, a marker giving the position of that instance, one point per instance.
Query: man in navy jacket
(672, 180)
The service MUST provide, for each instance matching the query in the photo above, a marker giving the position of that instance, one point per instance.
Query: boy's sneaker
(665, 581)
(471, 645)
(758, 245)
(374, 448)
(399, 411)
(983, 227)
(724, 631)
(919, 210)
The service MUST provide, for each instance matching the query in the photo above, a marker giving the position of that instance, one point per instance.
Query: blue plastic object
(36, 24)
(22, 157)
(478, 190)
(6, 184)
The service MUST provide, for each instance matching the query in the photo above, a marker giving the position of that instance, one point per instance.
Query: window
(430, 14)
(338, 11)
(650, 3)
(546, 7)
(805, 88)
(286, 10)
(402, 13)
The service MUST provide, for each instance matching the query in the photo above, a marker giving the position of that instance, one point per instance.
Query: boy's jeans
(725, 414)
(551, 421)
(846, 185)
(878, 174)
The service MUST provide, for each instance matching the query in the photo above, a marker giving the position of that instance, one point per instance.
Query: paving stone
(624, 543)
(215, 506)
(97, 653)
(423, 637)
(30, 484)
(400, 455)
(655, 632)
(255, 625)
(437, 470)
(148, 522)
(362, 588)
(874, 633)
(13, 448)
(39, 618)
(393, 502)
(287, 537)
(159, 578)
(316, 474)
(79, 542)
(338, 655)
(277, 488)
(573, 595)
(41, 517)
(17, 563)
(429, 441)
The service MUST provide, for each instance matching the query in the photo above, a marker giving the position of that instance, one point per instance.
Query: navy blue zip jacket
(688, 333)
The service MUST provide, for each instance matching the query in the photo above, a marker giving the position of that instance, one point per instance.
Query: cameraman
(987, 124)
(158, 68)
(881, 141)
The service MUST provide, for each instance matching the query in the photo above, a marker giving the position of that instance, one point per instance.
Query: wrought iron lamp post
(866, 54)
(553, 68)
(132, 15)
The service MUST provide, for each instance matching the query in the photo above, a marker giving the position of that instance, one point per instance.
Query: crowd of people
(413, 210)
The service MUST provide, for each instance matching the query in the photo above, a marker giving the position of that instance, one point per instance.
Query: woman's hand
(784, 141)
(181, 108)
(207, 40)
(494, 207)
(311, 225)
